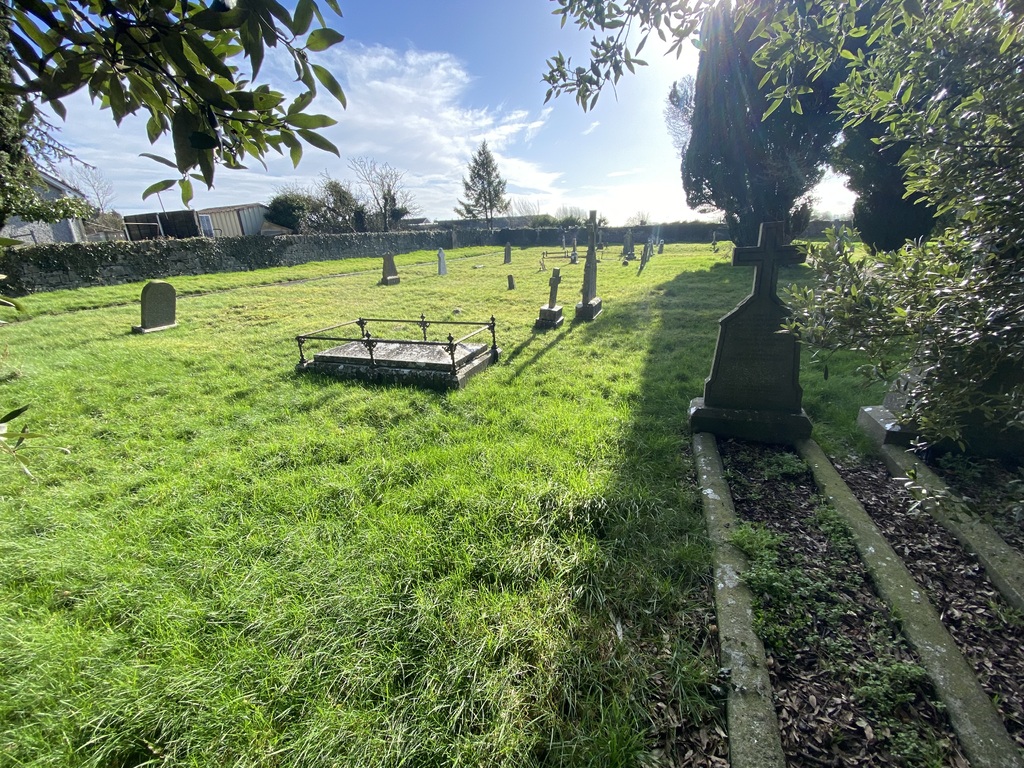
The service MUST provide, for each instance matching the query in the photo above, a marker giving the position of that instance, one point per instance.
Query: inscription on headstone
(754, 390)
(159, 307)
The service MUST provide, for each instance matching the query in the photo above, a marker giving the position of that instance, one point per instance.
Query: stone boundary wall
(77, 265)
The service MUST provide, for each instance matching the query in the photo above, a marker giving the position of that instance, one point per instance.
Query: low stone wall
(77, 265)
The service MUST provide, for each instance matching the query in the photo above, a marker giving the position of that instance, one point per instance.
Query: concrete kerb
(974, 717)
(754, 737)
(1003, 565)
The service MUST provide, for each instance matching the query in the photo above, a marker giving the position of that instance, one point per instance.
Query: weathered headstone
(442, 266)
(543, 263)
(390, 276)
(551, 315)
(508, 253)
(590, 306)
(754, 391)
(661, 247)
(627, 243)
(511, 282)
(159, 307)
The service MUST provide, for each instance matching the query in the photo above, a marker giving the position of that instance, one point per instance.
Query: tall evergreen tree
(752, 168)
(484, 189)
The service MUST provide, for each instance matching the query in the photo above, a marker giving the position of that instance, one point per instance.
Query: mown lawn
(241, 565)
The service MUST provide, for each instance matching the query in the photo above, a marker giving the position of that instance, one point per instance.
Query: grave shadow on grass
(647, 610)
(550, 341)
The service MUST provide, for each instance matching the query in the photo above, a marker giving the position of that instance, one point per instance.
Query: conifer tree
(484, 189)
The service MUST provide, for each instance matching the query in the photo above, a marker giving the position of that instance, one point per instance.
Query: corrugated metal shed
(236, 220)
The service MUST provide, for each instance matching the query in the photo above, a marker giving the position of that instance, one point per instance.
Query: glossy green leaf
(160, 186)
(158, 159)
(303, 17)
(318, 141)
(183, 125)
(322, 39)
(328, 81)
(304, 120)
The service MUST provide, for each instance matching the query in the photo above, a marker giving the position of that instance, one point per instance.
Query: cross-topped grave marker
(766, 257)
(551, 315)
(590, 307)
(754, 391)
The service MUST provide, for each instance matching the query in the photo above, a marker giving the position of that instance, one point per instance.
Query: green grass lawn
(241, 565)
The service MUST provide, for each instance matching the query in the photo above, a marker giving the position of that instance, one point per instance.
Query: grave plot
(985, 627)
(848, 689)
(396, 355)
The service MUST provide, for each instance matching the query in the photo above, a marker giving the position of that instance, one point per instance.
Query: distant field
(241, 565)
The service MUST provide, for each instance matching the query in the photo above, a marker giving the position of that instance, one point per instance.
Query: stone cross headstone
(159, 307)
(511, 282)
(442, 266)
(590, 306)
(754, 390)
(390, 276)
(556, 278)
(551, 315)
(508, 253)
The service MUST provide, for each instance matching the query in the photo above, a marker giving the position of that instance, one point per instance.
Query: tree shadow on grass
(646, 612)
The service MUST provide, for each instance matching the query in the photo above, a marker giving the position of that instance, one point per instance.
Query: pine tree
(484, 189)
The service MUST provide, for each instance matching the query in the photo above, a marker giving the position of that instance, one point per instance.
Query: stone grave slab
(404, 363)
(754, 390)
(159, 307)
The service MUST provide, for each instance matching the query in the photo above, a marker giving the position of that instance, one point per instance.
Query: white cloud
(590, 128)
(405, 109)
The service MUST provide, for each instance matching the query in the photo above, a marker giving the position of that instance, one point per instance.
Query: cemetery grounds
(240, 565)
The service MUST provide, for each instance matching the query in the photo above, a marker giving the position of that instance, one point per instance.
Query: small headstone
(390, 276)
(661, 247)
(442, 266)
(159, 306)
(511, 282)
(627, 244)
(551, 315)
(590, 306)
(754, 391)
(543, 265)
(574, 258)
(508, 253)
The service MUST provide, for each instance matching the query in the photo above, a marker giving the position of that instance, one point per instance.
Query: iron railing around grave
(370, 342)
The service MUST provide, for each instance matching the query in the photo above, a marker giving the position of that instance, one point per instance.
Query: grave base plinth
(879, 424)
(391, 280)
(395, 362)
(589, 310)
(759, 426)
(141, 329)
(550, 317)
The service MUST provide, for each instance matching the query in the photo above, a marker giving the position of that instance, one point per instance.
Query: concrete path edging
(754, 737)
(1003, 565)
(972, 713)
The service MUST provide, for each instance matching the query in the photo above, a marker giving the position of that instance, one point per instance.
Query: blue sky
(426, 82)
